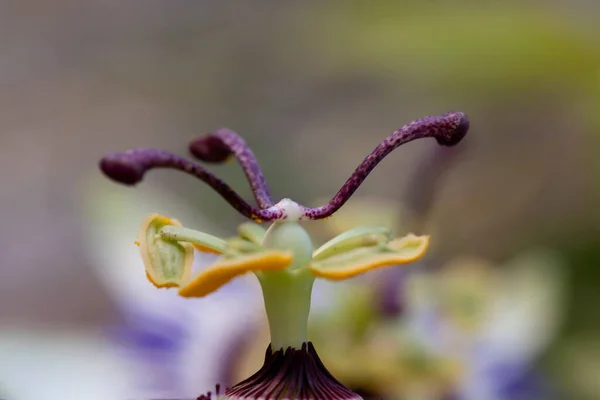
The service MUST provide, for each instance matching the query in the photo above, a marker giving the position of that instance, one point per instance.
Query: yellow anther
(225, 270)
(204, 249)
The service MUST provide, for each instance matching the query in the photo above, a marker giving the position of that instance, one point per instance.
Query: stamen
(130, 166)
(219, 146)
(448, 130)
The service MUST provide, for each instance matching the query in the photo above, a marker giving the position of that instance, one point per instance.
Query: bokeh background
(313, 87)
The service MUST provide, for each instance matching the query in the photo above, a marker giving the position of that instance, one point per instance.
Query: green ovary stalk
(287, 303)
(287, 293)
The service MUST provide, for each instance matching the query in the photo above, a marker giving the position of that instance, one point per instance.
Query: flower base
(294, 374)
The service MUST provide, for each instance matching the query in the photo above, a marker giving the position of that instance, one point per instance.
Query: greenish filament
(181, 234)
(237, 245)
(252, 232)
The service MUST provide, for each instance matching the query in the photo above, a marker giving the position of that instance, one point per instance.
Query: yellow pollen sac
(409, 242)
(359, 261)
(167, 263)
(225, 270)
(204, 249)
(158, 285)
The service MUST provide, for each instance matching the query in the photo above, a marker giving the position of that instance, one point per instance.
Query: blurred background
(312, 87)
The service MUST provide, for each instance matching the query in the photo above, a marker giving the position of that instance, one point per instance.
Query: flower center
(292, 211)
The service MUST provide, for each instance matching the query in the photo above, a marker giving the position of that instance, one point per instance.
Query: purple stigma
(448, 130)
(210, 149)
(120, 167)
(130, 166)
(219, 146)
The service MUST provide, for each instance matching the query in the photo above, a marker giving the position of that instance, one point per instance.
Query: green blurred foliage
(465, 46)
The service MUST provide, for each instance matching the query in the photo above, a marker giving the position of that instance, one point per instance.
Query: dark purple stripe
(292, 374)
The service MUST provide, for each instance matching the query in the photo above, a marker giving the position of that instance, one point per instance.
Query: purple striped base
(291, 374)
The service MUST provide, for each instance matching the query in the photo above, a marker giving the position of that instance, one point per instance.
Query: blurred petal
(47, 364)
(528, 312)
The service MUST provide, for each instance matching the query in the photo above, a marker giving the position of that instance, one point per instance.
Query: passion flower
(281, 257)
